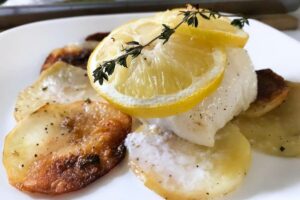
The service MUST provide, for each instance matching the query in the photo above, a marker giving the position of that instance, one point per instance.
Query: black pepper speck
(44, 88)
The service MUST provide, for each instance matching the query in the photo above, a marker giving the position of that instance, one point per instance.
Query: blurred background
(281, 14)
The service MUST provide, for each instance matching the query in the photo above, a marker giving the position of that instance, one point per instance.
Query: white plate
(24, 49)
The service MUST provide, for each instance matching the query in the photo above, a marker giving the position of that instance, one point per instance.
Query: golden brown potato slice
(272, 91)
(64, 147)
(177, 169)
(76, 55)
(62, 83)
(277, 132)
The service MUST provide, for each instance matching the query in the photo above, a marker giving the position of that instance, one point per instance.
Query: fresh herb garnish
(240, 22)
(134, 48)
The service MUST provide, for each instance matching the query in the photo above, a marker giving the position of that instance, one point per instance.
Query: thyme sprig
(134, 48)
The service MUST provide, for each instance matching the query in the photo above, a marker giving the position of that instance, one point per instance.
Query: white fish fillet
(237, 90)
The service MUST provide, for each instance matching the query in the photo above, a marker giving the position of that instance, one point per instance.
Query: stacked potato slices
(271, 123)
(66, 136)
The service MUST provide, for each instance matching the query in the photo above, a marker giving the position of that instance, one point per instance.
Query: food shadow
(267, 174)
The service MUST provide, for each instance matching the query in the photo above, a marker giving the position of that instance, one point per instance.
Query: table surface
(292, 33)
(295, 33)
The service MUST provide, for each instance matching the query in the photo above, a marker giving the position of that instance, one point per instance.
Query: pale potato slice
(61, 83)
(277, 132)
(177, 169)
(63, 147)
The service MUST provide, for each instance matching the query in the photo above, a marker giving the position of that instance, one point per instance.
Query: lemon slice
(214, 32)
(165, 79)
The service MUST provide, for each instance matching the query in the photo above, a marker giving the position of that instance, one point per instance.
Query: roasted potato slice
(62, 83)
(99, 36)
(76, 55)
(177, 169)
(72, 54)
(272, 91)
(64, 147)
(277, 132)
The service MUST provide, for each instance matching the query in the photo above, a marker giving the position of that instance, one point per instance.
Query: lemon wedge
(165, 79)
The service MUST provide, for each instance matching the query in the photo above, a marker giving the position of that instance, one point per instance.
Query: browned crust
(272, 91)
(97, 36)
(73, 55)
(270, 85)
(96, 145)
